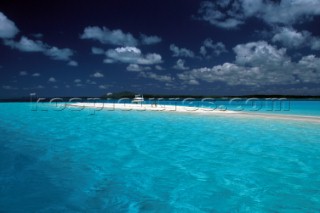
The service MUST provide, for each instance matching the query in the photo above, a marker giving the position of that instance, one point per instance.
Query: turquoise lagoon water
(131, 161)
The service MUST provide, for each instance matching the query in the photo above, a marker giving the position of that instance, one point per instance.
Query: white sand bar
(189, 109)
(147, 107)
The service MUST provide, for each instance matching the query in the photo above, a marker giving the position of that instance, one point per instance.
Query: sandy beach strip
(147, 107)
(189, 109)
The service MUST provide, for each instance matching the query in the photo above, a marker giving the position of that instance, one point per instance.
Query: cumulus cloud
(52, 80)
(106, 36)
(288, 11)
(260, 53)
(149, 40)
(259, 64)
(8, 29)
(150, 58)
(213, 13)
(315, 43)
(181, 52)
(77, 81)
(157, 77)
(131, 55)
(97, 51)
(193, 82)
(231, 14)
(73, 63)
(108, 61)
(134, 67)
(36, 74)
(308, 69)
(180, 65)
(97, 75)
(291, 38)
(59, 54)
(137, 68)
(216, 49)
(28, 45)
(116, 37)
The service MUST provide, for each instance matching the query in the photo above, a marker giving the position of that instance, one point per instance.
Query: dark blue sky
(226, 47)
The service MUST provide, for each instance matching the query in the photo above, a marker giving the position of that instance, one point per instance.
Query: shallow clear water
(117, 161)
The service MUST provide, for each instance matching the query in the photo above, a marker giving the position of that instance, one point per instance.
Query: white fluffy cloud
(212, 12)
(291, 38)
(308, 69)
(7, 27)
(106, 36)
(137, 68)
(116, 37)
(216, 49)
(59, 54)
(97, 75)
(287, 11)
(230, 14)
(131, 55)
(180, 65)
(228, 73)
(315, 44)
(8, 30)
(157, 77)
(181, 52)
(260, 53)
(26, 45)
(73, 63)
(52, 80)
(36, 74)
(149, 40)
(259, 64)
